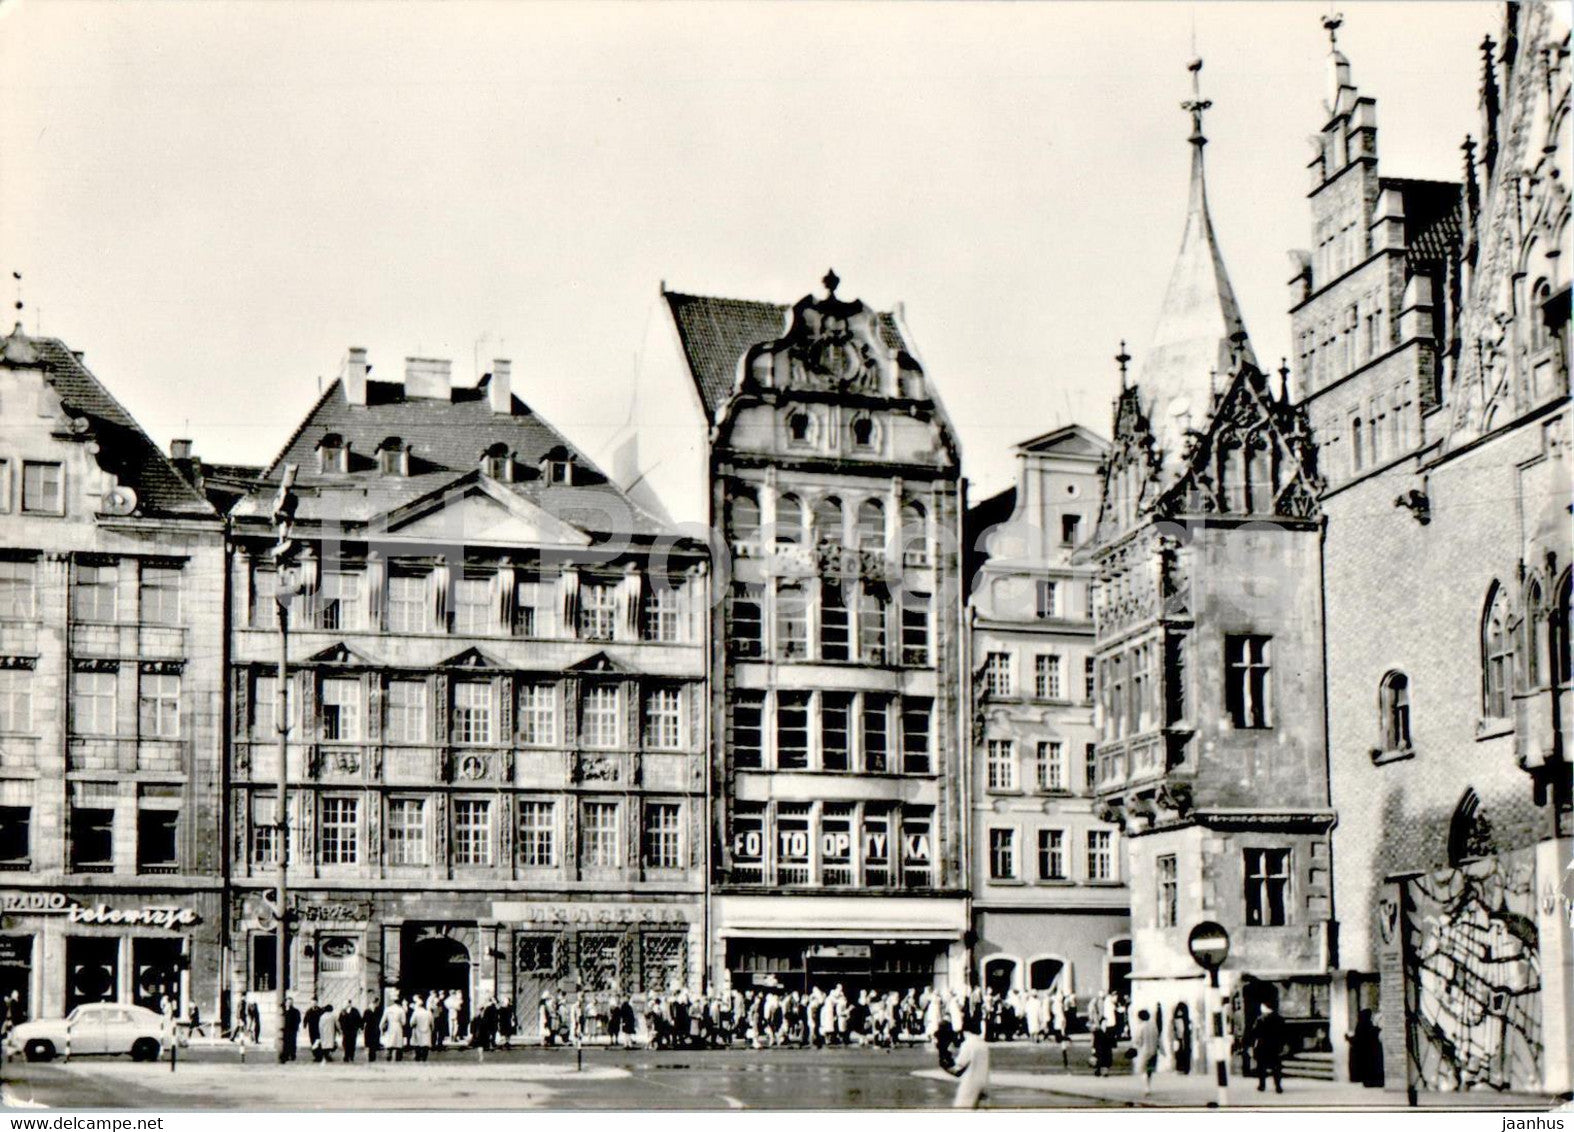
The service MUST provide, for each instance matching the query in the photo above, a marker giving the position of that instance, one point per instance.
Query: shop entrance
(156, 963)
(339, 978)
(791, 965)
(433, 960)
(16, 970)
(92, 969)
(998, 974)
(1045, 974)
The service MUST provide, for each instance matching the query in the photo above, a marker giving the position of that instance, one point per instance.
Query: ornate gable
(1131, 472)
(831, 346)
(342, 655)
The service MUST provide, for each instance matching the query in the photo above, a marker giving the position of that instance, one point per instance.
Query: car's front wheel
(144, 1049)
(39, 1050)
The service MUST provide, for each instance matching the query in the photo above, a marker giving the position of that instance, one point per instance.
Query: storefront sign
(842, 951)
(58, 904)
(354, 912)
(569, 914)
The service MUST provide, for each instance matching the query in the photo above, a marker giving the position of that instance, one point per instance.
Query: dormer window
(393, 458)
(558, 466)
(333, 454)
(498, 463)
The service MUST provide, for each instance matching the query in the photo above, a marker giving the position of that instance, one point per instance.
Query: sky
(213, 201)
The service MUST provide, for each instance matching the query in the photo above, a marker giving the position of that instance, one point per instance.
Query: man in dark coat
(313, 1019)
(292, 1025)
(349, 1030)
(1268, 1048)
(372, 1026)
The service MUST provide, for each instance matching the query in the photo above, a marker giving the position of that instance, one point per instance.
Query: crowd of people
(416, 1024)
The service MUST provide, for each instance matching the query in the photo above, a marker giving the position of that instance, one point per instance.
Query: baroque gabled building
(111, 694)
(1049, 898)
(497, 723)
(1208, 626)
(1447, 582)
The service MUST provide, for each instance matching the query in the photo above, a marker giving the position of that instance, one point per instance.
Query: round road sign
(1210, 945)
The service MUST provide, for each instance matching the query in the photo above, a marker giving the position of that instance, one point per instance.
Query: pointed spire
(1490, 108)
(1284, 380)
(1121, 359)
(1196, 104)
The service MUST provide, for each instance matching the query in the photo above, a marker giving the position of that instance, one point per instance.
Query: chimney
(355, 368)
(427, 378)
(499, 391)
(180, 449)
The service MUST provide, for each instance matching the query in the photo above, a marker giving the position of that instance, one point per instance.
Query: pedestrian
(1268, 1048)
(971, 1068)
(507, 1021)
(349, 1030)
(422, 1028)
(327, 1034)
(372, 1026)
(254, 1014)
(313, 1020)
(395, 1020)
(1180, 1037)
(1145, 1036)
(1366, 1052)
(291, 1035)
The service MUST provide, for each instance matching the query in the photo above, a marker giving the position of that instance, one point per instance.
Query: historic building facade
(831, 474)
(1447, 581)
(1050, 906)
(111, 693)
(497, 719)
(1209, 649)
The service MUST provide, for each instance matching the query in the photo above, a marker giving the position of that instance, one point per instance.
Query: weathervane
(1197, 103)
(1332, 22)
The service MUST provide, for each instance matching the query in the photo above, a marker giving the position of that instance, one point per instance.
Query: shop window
(748, 844)
(1267, 887)
(877, 847)
(535, 954)
(264, 961)
(156, 964)
(1246, 685)
(836, 844)
(792, 843)
(16, 837)
(158, 841)
(92, 838)
(664, 960)
(92, 969)
(917, 847)
(600, 962)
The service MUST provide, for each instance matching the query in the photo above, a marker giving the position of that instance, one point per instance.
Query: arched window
(828, 520)
(915, 532)
(1560, 632)
(1497, 654)
(1533, 637)
(800, 427)
(789, 521)
(743, 517)
(1540, 296)
(871, 525)
(1357, 446)
(1394, 700)
(863, 432)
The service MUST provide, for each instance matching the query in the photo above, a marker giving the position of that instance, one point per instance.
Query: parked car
(92, 1028)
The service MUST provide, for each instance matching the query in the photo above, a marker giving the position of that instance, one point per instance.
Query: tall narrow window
(789, 521)
(16, 700)
(1070, 529)
(748, 843)
(918, 857)
(158, 705)
(792, 730)
(915, 534)
(598, 604)
(876, 838)
(527, 606)
(409, 603)
(17, 586)
(264, 830)
(158, 839)
(407, 711)
(1357, 445)
(1497, 655)
(1101, 856)
(1046, 676)
(1002, 854)
(407, 840)
(1048, 603)
(1247, 680)
(93, 703)
(339, 603)
(1167, 870)
(341, 710)
(339, 833)
(835, 622)
(663, 719)
(876, 733)
(1561, 629)
(1533, 638)
(92, 832)
(1051, 854)
(828, 521)
(93, 593)
(997, 674)
(873, 610)
(792, 621)
(1051, 768)
(472, 831)
(599, 835)
(659, 613)
(836, 735)
(538, 714)
(871, 526)
(472, 723)
(160, 598)
(748, 730)
(792, 843)
(663, 835)
(916, 716)
(1002, 764)
(474, 610)
(836, 844)
(745, 611)
(599, 718)
(1267, 886)
(537, 834)
(1089, 681)
(1395, 699)
(743, 518)
(915, 629)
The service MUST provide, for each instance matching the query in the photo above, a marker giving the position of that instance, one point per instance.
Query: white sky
(214, 200)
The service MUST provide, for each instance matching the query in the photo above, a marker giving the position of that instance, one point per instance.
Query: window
(916, 714)
(1051, 768)
(915, 534)
(1002, 764)
(1267, 886)
(599, 716)
(792, 843)
(835, 623)
(1002, 854)
(407, 711)
(599, 842)
(789, 521)
(17, 586)
(598, 604)
(341, 710)
(92, 837)
(93, 706)
(917, 851)
(1046, 678)
(792, 730)
(16, 700)
(863, 432)
(1051, 854)
(1048, 603)
(1357, 455)
(659, 613)
(1533, 639)
(871, 526)
(1070, 529)
(158, 840)
(472, 713)
(800, 428)
(997, 674)
(339, 601)
(872, 613)
(1167, 871)
(1497, 655)
(160, 595)
(264, 830)
(1394, 697)
(474, 612)
(1246, 688)
(828, 521)
(408, 603)
(1088, 680)
(748, 730)
(16, 836)
(537, 834)
(158, 706)
(663, 719)
(472, 831)
(407, 842)
(877, 847)
(745, 629)
(743, 518)
(836, 735)
(43, 488)
(339, 833)
(1090, 766)
(93, 594)
(1561, 628)
(538, 714)
(748, 844)
(876, 734)
(915, 629)
(527, 605)
(1101, 857)
(663, 836)
(792, 621)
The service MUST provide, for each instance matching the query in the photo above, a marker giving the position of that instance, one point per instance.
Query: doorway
(156, 963)
(92, 970)
(434, 961)
(999, 974)
(1045, 974)
(1117, 968)
(16, 973)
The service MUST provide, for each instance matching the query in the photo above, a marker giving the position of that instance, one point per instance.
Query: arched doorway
(998, 974)
(1046, 974)
(434, 962)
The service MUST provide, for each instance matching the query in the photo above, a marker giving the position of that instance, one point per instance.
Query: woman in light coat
(422, 1026)
(392, 1030)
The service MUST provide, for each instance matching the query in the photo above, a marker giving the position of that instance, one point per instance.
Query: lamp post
(287, 583)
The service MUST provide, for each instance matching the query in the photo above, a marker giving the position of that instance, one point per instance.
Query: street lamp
(287, 584)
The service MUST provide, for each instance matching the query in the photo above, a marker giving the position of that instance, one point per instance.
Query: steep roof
(716, 333)
(124, 449)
